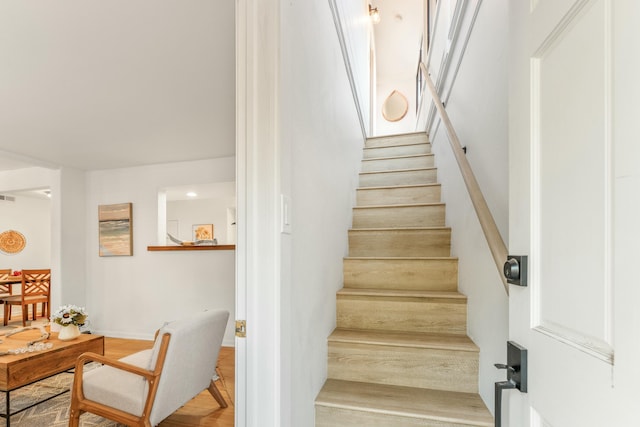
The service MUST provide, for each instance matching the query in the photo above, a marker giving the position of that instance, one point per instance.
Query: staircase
(399, 355)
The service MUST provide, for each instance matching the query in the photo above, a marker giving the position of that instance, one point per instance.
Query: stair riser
(436, 369)
(415, 138)
(400, 243)
(399, 216)
(402, 314)
(425, 275)
(381, 179)
(327, 416)
(398, 195)
(378, 165)
(400, 150)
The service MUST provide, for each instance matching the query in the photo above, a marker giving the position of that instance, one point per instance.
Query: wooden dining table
(11, 280)
(5, 284)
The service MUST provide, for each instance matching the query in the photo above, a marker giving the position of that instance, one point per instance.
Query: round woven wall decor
(12, 242)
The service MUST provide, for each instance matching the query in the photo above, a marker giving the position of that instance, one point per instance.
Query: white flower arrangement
(70, 315)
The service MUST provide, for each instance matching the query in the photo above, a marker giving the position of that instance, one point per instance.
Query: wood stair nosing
(397, 171)
(400, 194)
(439, 341)
(400, 157)
(400, 229)
(392, 258)
(403, 144)
(403, 293)
(400, 149)
(385, 164)
(351, 404)
(395, 187)
(411, 138)
(398, 177)
(400, 205)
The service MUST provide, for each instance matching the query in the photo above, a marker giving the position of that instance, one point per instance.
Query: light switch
(285, 214)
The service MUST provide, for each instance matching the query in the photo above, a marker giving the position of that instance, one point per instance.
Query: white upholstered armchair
(148, 386)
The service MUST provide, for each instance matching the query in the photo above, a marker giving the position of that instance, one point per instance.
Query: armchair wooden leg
(74, 417)
(213, 389)
(7, 313)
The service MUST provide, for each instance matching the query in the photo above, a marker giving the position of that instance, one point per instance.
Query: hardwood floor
(203, 409)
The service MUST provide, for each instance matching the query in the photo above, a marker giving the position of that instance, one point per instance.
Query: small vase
(68, 333)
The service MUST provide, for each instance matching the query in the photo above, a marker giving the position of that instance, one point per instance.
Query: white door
(574, 210)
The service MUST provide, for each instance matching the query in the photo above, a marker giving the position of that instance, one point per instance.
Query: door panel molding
(586, 344)
(538, 420)
(566, 203)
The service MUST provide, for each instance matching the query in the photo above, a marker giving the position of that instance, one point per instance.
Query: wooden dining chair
(35, 289)
(5, 288)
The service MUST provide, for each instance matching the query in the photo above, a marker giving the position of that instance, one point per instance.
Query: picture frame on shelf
(202, 232)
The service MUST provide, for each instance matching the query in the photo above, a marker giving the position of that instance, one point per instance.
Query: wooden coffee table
(20, 370)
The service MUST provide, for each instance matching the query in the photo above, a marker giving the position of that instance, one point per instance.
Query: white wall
(30, 216)
(69, 239)
(201, 211)
(37, 226)
(132, 296)
(321, 149)
(477, 105)
(65, 223)
(356, 29)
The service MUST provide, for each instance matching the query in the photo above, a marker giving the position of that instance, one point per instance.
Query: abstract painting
(116, 230)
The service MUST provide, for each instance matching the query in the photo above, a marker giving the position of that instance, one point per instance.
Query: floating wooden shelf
(193, 248)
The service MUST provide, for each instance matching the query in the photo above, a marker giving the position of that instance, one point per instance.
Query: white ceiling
(212, 190)
(96, 84)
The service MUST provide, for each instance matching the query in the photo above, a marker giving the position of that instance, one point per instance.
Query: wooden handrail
(494, 239)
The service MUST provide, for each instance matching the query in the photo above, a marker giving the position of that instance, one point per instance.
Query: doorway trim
(258, 378)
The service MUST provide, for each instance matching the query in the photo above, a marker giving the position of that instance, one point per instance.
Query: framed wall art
(202, 232)
(115, 230)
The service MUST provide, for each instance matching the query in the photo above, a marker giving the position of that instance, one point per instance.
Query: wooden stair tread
(398, 258)
(404, 339)
(426, 404)
(398, 145)
(399, 136)
(402, 205)
(401, 293)
(391, 187)
(398, 170)
(395, 140)
(400, 354)
(405, 156)
(398, 229)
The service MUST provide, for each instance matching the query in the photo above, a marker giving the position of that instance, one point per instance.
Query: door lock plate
(515, 270)
(241, 328)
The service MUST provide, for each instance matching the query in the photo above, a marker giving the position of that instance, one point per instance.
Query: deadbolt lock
(515, 270)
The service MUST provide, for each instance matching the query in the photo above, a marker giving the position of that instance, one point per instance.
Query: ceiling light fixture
(374, 14)
(192, 194)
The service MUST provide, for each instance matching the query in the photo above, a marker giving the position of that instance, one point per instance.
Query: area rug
(52, 413)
